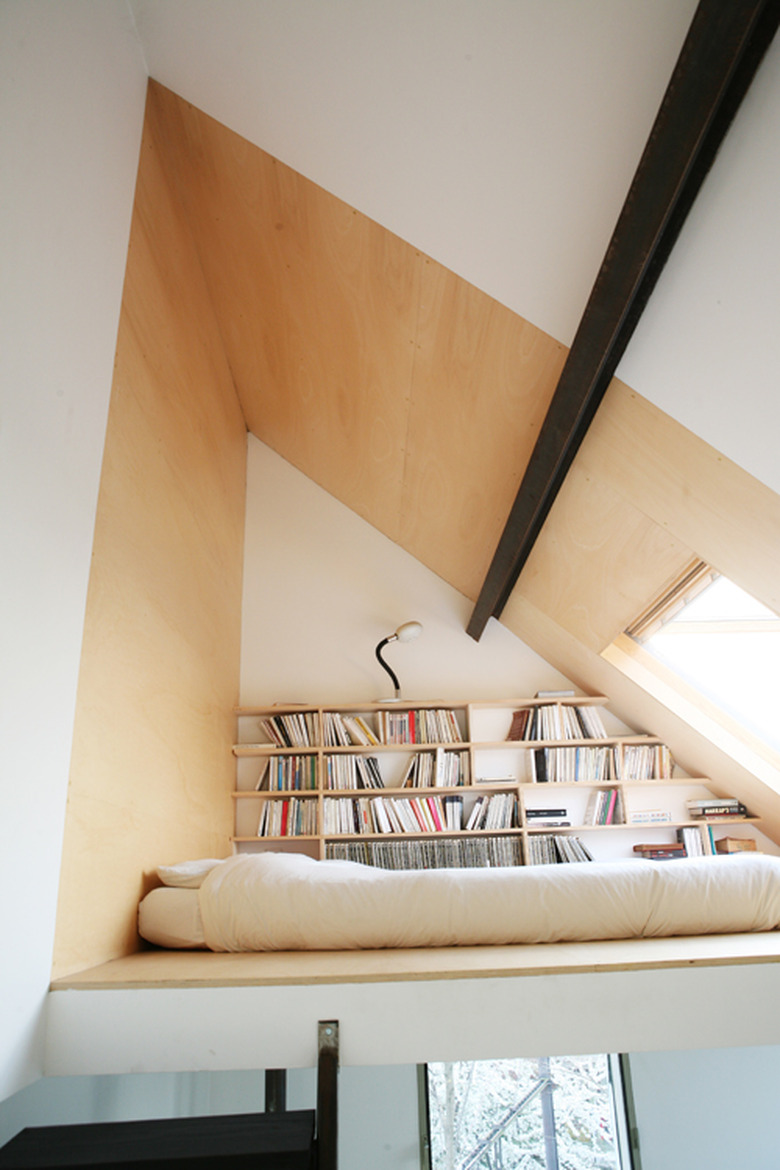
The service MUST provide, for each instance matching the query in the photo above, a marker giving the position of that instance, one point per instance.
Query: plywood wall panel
(724, 515)
(152, 771)
(599, 560)
(387, 379)
(317, 305)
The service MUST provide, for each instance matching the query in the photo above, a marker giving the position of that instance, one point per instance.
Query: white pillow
(187, 875)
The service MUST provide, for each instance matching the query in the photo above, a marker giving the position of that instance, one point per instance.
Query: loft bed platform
(154, 969)
(700, 966)
(158, 1011)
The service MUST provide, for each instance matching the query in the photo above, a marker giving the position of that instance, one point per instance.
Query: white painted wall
(322, 587)
(72, 87)
(707, 350)
(410, 1022)
(715, 1109)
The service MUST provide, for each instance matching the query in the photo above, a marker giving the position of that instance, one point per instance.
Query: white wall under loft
(411, 1022)
(72, 89)
(715, 1109)
(322, 587)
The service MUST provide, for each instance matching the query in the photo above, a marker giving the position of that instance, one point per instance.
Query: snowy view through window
(528, 1114)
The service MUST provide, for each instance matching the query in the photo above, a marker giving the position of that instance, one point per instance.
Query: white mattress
(171, 918)
(282, 901)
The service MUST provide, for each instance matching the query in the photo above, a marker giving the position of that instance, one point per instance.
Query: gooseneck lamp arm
(405, 633)
(382, 662)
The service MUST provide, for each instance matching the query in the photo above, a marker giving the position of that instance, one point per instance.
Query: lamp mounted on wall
(405, 633)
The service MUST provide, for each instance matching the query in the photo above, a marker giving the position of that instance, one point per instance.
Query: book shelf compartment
(432, 764)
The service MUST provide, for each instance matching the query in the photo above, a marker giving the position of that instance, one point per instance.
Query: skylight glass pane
(727, 645)
(723, 601)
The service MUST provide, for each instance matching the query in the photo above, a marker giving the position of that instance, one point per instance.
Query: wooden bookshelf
(406, 797)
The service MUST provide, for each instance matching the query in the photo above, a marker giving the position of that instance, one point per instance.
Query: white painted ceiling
(500, 137)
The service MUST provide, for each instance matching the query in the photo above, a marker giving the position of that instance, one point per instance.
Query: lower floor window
(546, 1113)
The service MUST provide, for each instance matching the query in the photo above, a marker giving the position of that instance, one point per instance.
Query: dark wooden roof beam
(721, 54)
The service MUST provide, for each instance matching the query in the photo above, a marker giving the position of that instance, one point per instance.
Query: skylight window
(724, 643)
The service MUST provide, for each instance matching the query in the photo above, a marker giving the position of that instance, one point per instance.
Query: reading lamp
(405, 633)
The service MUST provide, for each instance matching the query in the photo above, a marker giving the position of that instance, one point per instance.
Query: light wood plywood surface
(406, 392)
(316, 303)
(153, 969)
(598, 560)
(151, 770)
(686, 487)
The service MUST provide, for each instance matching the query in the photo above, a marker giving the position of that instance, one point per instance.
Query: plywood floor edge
(168, 970)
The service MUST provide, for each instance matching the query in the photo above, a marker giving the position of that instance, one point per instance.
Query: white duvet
(283, 901)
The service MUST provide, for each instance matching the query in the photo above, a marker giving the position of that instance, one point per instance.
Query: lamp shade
(408, 631)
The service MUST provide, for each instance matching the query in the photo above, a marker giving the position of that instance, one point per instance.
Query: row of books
(493, 812)
(288, 774)
(419, 814)
(343, 772)
(556, 721)
(346, 730)
(437, 769)
(604, 807)
(588, 765)
(661, 851)
(547, 818)
(594, 765)
(298, 729)
(419, 725)
(414, 726)
(444, 853)
(288, 818)
(716, 806)
(555, 848)
(642, 761)
(697, 840)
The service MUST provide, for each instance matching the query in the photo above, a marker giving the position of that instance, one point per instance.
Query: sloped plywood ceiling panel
(416, 399)
(598, 560)
(407, 393)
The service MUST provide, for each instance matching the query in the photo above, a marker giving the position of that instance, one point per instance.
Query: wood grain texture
(152, 969)
(482, 382)
(407, 393)
(151, 769)
(317, 306)
(682, 484)
(598, 561)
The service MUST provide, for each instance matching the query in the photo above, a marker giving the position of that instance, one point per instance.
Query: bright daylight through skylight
(727, 645)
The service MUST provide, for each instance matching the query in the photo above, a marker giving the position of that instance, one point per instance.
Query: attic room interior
(300, 429)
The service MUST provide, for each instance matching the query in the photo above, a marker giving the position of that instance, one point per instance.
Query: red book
(285, 814)
(431, 802)
(418, 814)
